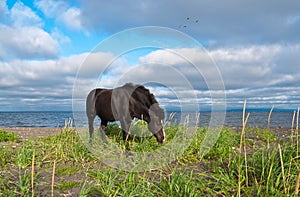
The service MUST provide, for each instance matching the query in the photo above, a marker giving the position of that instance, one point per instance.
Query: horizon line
(174, 110)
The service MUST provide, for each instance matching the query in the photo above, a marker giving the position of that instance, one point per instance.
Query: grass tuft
(8, 137)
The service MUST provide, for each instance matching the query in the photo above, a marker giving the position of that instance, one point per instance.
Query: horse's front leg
(102, 131)
(125, 124)
(125, 135)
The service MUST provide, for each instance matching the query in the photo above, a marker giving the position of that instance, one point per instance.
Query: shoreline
(26, 133)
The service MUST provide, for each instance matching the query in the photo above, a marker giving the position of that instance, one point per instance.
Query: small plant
(140, 129)
(178, 184)
(8, 137)
(88, 189)
(224, 145)
(24, 184)
(265, 135)
(7, 156)
(66, 185)
(24, 155)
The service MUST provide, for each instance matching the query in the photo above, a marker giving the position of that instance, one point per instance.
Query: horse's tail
(91, 111)
(90, 104)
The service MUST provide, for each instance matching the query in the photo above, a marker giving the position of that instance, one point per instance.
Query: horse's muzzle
(160, 136)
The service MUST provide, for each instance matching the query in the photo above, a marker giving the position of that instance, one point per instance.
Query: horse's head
(155, 116)
(155, 125)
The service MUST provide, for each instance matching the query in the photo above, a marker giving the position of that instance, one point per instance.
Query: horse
(124, 104)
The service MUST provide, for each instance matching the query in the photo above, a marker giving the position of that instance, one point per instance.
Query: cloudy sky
(253, 47)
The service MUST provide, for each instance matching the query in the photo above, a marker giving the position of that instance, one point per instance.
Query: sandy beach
(26, 133)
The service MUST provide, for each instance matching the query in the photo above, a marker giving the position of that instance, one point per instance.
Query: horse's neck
(143, 98)
(141, 110)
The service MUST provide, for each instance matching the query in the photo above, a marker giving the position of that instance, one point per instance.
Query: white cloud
(26, 42)
(22, 15)
(59, 36)
(195, 65)
(260, 73)
(250, 54)
(52, 73)
(259, 65)
(62, 12)
(51, 8)
(246, 67)
(54, 79)
(163, 57)
(72, 18)
(50, 81)
(22, 35)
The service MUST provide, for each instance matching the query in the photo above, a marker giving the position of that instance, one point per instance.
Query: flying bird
(188, 19)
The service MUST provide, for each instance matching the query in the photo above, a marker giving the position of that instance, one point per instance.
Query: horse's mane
(141, 89)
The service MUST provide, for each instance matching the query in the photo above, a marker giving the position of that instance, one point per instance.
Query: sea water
(58, 118)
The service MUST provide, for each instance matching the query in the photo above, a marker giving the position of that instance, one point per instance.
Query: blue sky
(255, 46)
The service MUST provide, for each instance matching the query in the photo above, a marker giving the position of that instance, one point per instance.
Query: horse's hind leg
(91, 126)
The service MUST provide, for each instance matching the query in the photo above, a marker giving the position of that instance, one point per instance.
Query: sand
(26, 133)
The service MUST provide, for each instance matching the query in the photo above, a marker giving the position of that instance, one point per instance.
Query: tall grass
(32, 174)
(297, 130)
(53, 178)
(243, 141)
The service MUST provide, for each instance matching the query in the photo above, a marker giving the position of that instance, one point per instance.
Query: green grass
(8, 137)
(66, 185)
(216, 174)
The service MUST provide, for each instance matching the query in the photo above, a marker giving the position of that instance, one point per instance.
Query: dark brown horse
(123, 104)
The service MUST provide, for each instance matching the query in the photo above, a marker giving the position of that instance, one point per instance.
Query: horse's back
(112, 104)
